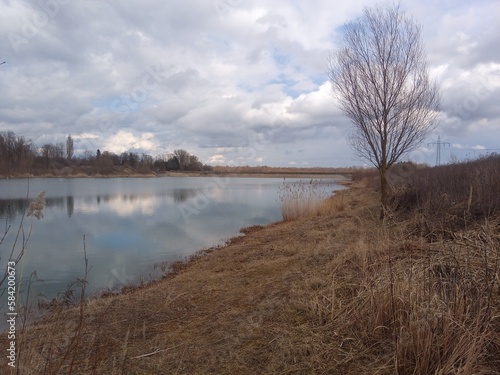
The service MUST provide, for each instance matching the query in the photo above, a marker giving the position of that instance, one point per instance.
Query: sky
(235, 82)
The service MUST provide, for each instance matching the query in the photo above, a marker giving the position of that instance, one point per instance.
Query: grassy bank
(330, 291)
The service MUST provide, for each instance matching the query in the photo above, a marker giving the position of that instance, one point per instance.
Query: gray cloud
(239, 82)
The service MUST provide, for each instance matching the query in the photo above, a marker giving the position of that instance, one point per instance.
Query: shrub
(455, 195)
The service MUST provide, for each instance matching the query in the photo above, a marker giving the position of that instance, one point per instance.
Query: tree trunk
(384, 191)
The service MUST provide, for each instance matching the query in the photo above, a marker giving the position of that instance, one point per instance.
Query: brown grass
(302, 198)
(331, 293)
(452, 196)
(290, 171)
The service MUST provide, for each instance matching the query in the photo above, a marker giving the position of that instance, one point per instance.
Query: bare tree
(194, 164)
(59, 150)
(16, 153)
(380, 75)
(70, 149)
(182, 157)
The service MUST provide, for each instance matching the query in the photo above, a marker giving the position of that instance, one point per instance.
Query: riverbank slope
(332, 292)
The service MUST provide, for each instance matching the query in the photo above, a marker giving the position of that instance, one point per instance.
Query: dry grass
(263, 170)
(304, 198)
(452, 196)
(331, 293)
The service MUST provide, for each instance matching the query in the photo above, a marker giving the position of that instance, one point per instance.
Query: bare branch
(380, 76)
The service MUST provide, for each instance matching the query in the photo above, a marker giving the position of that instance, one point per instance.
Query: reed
(301, 198)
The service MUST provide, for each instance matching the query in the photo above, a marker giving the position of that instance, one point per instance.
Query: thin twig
(155, 352)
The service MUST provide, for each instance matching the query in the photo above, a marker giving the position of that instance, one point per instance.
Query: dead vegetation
(335, 292)
(304, 198)
(285, 171)
(451, 197)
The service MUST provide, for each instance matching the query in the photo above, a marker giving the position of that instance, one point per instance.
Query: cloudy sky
(236, 82)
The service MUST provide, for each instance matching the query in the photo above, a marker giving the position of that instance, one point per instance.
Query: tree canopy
(381, 80)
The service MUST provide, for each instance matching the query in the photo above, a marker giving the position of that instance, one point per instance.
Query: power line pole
(438, 148)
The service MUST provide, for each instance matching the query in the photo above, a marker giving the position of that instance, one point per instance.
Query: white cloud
(460, 146)
(216, 159)
(249, 77)
(85, 136)
(259, 159)
(126, 207)
(125, 140)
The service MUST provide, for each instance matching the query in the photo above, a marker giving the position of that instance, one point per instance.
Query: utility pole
(438, 148)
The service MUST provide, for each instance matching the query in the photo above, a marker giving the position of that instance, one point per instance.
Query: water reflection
(12, 208)
(70, 205)
(182, 195)
(9, 209)
(129, 224)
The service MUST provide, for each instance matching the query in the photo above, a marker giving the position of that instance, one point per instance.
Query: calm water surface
(130, 224)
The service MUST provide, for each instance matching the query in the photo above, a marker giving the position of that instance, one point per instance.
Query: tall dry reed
(301, 198)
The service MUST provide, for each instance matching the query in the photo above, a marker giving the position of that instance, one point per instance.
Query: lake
(131, 225)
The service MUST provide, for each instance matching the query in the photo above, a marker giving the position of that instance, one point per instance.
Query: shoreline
(189, 174)
(175, 266)
(200, 270)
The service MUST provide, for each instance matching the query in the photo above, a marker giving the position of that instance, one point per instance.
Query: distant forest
(20, 157)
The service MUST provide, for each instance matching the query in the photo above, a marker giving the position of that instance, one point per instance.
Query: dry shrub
(400, 305)
(360, 174)
(452, 196)
(397, 174)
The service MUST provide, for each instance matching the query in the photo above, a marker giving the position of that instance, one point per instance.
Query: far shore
(186, 174)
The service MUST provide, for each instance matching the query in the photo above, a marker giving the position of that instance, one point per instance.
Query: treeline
(19, 156)
(16, 153)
